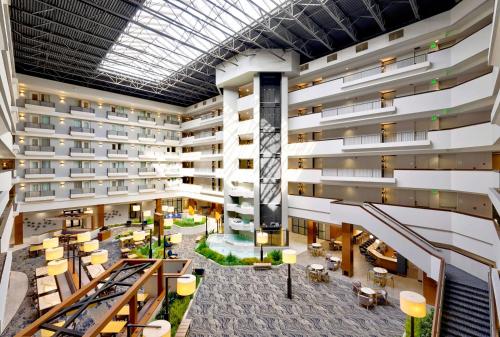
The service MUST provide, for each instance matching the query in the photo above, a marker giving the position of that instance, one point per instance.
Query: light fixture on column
(57, 267)
(262, 238)
(289, 257)
(54, 253)
(414, 305)
(50, 243)
(99, 257)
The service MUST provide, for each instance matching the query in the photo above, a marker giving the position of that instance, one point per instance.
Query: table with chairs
(369, 297)
(317, 273)
(333, 262)
(316, 249)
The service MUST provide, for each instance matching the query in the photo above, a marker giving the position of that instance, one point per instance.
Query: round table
(335, 259)
(316, 266)
(367, 291)
(380, 271)
(316, 245)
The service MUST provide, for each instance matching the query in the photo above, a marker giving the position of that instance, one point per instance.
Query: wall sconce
(132, 111)
(61, 184)
(100, 124)
(61, 162)
(132, 128)
(100, 182)
(100, 163)
(132, 164)
(21, 115)
(132, 181)
(21, 140)
(22, 186)
(100, 105)
(100, 144)
(132, 146)
(61, 142)
(21, 93)
(21, 162)
(61, 121)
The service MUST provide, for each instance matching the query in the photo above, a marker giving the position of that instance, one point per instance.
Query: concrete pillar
(429, 289)
(347, 250)
(100, 216)
(311, 232)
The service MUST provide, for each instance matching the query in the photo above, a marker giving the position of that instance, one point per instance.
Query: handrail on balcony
(117, 170)
(145, 118)
(34, 194)
(346, 172)
(204, 134)
(375, 138)
(40, 103)
(43, 170)
(81, 129)
(117, 188)
(146, 187)
(39, 125)
(147, 169)
(352, 108)
(117, 133)
(39, 148)
(117, 114)
(82, 109)
(119, 151)
(82, 150)
(82, 190)
(82, 170)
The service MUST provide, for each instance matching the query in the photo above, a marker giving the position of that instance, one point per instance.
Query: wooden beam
(18, 229)
(311, 232)
(347, 250)
(100, 216)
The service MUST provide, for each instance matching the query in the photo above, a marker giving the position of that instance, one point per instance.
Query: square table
(46, 284)
(142, 297)
(124, 311)
(41, 271)
(114, 327)
(48, 301)
(316, 266)
(95, 270)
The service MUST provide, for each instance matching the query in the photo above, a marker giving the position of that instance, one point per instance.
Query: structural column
(430, 288)
(100, 216)
(311, 232)
(18, 229)
(347, 250)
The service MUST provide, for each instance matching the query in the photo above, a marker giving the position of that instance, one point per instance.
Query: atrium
(214, 168)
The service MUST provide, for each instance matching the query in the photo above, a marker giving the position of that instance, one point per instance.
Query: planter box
(104, 235)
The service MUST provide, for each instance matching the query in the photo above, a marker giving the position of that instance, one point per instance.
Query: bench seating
(183, 329)
(262, 265)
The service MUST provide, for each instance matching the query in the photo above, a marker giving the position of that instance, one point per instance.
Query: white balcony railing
(345, 172)
(358, 107)
(403, 136)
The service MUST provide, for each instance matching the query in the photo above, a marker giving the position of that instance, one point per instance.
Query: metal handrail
(40, 103)
(144, 118)
(117, 188)
(146, 135)
(117, 133)
(81, 129)
(81, 150)
(43, 170)
(146, 187)
(147, 169)
(39, 148)
(345, 172)
(117, 114)
(374, 138)
(110, 151)
(39, 125)
(352, 108)
(82, 190)
(82, 170)
(117, 170)
(34, 194)
(79, 108)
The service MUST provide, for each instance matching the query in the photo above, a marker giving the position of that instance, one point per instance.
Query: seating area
(368, 297)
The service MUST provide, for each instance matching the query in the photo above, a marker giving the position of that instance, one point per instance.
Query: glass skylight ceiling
(166, 35)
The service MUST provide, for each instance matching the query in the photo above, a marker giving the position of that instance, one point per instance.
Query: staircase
(465, 311)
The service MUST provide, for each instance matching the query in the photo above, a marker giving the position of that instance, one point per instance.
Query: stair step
(460, 319)
(465, 300)
(479, 296)
(449, 329)
(466, 309)
(466, 287)
(471, 296)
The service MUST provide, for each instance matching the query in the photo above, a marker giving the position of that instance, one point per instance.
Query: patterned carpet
(238, 301)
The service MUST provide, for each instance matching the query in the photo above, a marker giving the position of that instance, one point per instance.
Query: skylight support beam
(414, 8)
(375, 12)
(291, 10)
(331, 8)
(266, 23)
(156, 31)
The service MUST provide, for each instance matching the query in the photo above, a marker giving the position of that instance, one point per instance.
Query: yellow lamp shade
(139, 235)
(164, 208)
(289, 256)
(57, 267)
(169, 222)
(146, 214)
(136, 208)
(83, 237)
(190, 210)
(412, 304)
(99, 257)
(90, 246)
(50, 243)
(171, 209)
(262, 238)
(176, 238)
(186, 285)
(54, 253)
(217, 216)
(154, 331)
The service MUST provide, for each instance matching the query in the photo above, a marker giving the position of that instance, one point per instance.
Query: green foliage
(423, 326)
(232, 260)
(149, 221)
(123, 234)
(189, 222)
(276, 256)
